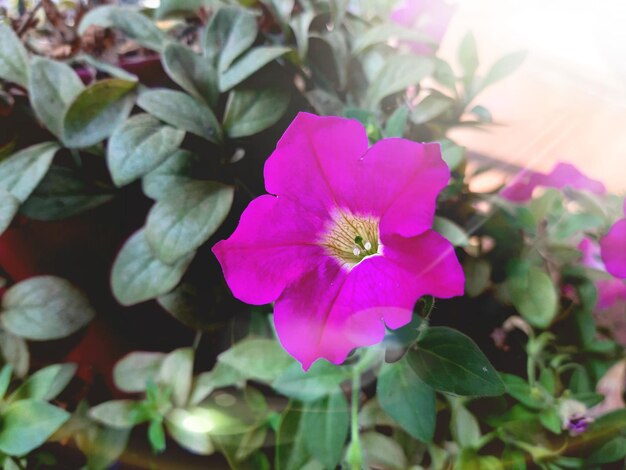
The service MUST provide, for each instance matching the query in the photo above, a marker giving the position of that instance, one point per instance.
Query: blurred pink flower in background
(521, 187)
(430, 17)
(345, 245)
(613, 248)
(609, 290)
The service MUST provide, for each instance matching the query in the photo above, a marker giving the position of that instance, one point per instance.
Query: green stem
(355, 456)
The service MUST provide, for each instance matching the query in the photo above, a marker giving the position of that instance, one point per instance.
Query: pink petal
(313, 158)
(591, 254)
(273, 245)
(609, 292)
(399, 181)
(521, 188)
(566, 174)
(331, 311)
(613, 249)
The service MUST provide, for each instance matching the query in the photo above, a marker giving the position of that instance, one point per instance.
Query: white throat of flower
(351, 238)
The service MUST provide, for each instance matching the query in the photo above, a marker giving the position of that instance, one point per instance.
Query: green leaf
(222, 375)
(53, 87)
(119, 414)
(464, 426)
(230, 32)
(138, 275)
(9, 205)
(482, 114)
(431, 107)
(449, 361)
(477, 276)
(450, 231)
(139, 146)
(248, 64)
(44, 308)
(192, 72)
(102, 445)
(190, 307)
(326, 424)
(46, 383)
(533, 293)
(62, 194)
(128, 20)
(383, 452)
(504, 67)
(384, 33)
(177, 372)
(177, 425)
(134, 371)
(26, 424)
(169, 175)
(97, 111)
(21, 172)
(398, 73)
(13, 57)
(551, 420)
(177, 8)
(444, 74)
(5, 379)
(291, 451)
(156, 435)
(300, 25)
(249, 112)
(182, 111)
(611, 451)
(468, 55)
(15, 352)
(257, 359)
(320, 380)
(408, 400)
(519, 389)
(397, 122)
(182, 222)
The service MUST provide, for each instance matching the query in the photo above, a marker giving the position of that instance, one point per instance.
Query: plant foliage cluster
(183, 152)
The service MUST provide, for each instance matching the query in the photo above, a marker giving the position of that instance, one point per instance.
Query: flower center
(350, 239)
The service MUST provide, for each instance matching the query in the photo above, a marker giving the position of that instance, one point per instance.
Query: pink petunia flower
(430, 17)
(613, 248)
(521, 188)
(344, 245)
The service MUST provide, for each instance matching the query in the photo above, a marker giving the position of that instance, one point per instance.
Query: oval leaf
(182, 111)
(44, 308)
(46, 383)
(252, 61)
(9, 206)
(320, 380)
(63, 193)
(533, 293)
(139, 146)
(258, 359)
(449, 361)
(133, 372)
(169, 175)
(249, 112)
(138, 275)
(408, 400)
(326, 424)
(97, 111)
(21, 173)
(192, 72)
(398, 73)
(118, 414)
(13, 57)
(53, 87)
(184, 220)
(229, 33)
(26, 424)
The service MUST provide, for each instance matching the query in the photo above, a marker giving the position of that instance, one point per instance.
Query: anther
(356, 251)
(368, 246)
